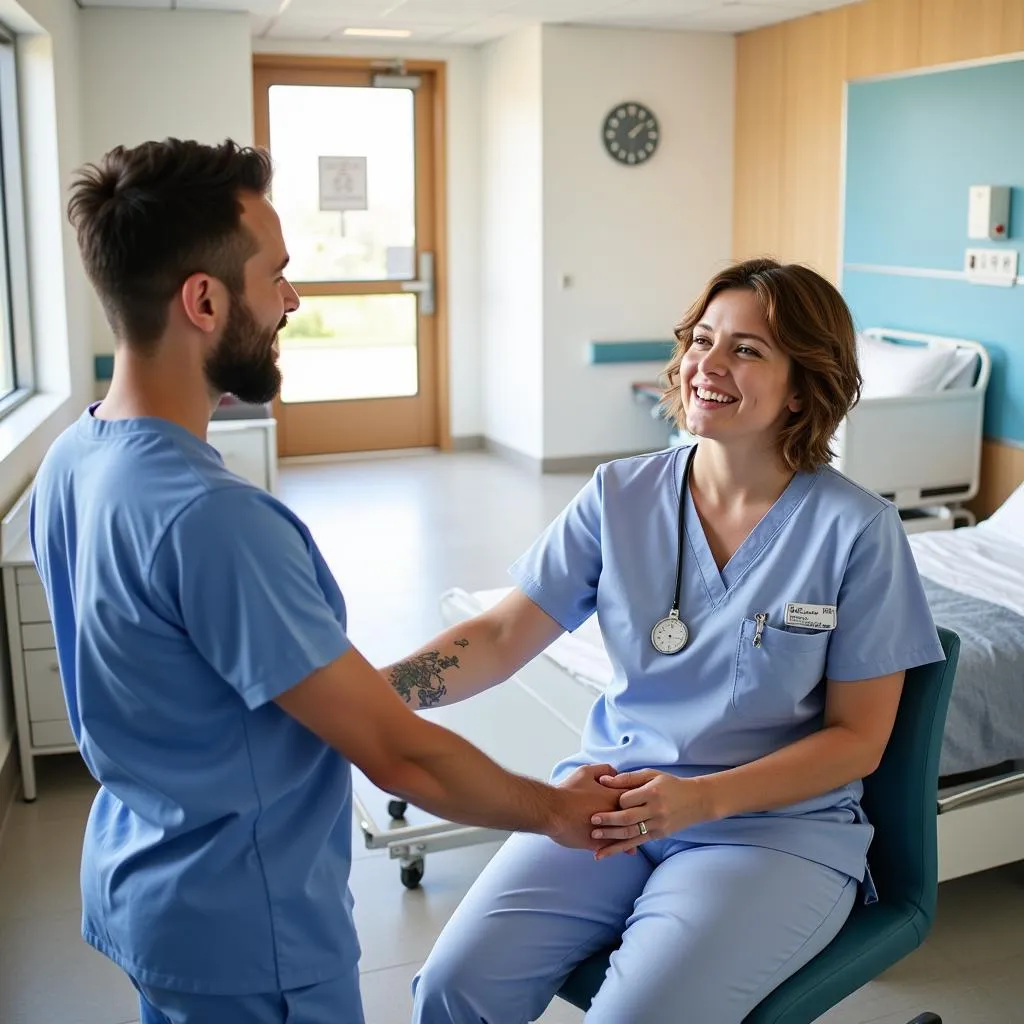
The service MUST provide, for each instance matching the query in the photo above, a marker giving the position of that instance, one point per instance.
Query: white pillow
(965, 369)
(891, 369)
(1009, 517)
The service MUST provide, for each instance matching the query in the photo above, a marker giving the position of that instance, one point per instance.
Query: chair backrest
(901, 795)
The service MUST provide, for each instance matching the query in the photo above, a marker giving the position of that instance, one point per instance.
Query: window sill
(22, 422)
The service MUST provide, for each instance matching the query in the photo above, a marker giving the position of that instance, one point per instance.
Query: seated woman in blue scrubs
(759, 609)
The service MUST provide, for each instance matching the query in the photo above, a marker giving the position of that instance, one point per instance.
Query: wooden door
(357, 178)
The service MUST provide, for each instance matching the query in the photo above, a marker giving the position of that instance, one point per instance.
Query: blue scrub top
(722, 701)
(216, 857)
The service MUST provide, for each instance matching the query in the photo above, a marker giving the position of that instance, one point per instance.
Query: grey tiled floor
(396, 533)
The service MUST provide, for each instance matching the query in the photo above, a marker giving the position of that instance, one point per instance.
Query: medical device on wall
(988, 212)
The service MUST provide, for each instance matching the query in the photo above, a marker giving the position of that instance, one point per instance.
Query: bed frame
(938, 459)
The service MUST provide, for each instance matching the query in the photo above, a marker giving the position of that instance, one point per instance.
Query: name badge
(811, 616)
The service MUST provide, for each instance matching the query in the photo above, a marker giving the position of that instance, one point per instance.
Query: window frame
(14, 287)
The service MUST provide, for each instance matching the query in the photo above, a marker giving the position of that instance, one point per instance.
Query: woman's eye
(702, 341)
(748, 351)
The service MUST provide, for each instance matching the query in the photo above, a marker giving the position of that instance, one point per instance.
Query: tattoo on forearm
(424, 676)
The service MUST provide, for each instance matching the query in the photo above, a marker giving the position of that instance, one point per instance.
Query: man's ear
(205, 301)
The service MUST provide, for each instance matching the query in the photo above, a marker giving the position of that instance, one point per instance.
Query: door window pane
(310, 122)
(350, 346)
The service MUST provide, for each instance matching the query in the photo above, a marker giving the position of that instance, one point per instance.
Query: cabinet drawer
(244, 453)
(52, 734)
(42, 681)
(32, 603)
(37, 635)
(26, 574)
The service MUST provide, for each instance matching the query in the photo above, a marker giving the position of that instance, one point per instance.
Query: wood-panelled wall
(789, 119)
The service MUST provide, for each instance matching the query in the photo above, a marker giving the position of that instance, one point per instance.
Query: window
(16, 370)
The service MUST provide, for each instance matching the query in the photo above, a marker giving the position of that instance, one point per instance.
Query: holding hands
(651, 805)
(579, 796)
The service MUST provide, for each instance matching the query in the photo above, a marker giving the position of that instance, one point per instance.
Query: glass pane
(335, 243)
(8, 376)
(350, 346)
(6, 361)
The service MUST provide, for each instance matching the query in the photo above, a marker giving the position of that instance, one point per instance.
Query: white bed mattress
(983, 562)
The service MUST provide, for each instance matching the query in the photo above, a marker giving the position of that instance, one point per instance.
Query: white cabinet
(40, 712)
(248, 447)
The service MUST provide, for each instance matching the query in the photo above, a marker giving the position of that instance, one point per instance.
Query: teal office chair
(900, 798)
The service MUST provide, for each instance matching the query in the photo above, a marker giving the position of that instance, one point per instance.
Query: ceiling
(467, 22)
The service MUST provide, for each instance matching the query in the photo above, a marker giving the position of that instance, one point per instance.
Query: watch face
(631, 133)
(669, 635)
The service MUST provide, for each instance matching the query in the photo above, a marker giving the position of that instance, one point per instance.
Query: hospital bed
(915, 435)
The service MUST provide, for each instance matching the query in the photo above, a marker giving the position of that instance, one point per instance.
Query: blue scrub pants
(331, 1002)
(709, 931)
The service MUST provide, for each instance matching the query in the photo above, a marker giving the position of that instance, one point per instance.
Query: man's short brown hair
(811, 323)
(148, 218)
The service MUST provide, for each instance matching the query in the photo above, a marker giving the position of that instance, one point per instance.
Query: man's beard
(244, 363)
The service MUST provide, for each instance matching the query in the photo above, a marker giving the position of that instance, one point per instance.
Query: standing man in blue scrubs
(210, 683)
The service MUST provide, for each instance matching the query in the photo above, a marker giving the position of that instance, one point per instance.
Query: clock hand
(636, 131)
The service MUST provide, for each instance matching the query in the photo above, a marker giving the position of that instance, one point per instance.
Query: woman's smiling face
(735, 380)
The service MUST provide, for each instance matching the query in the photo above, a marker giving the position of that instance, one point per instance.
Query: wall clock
(631, 133)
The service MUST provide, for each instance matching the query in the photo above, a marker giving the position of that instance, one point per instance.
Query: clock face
(669, 635)
(631, 133)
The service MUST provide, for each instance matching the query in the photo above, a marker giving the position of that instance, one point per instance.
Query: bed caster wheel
(397, 809)
(412, 873)
(927, 1018)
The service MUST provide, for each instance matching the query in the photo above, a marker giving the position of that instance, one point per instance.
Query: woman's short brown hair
(811, 323)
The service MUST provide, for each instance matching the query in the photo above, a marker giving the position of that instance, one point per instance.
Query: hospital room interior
(496, 212)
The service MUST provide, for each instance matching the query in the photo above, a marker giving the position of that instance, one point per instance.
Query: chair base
(927, 1018)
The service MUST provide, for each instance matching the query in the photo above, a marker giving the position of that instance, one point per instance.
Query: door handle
(424, 284)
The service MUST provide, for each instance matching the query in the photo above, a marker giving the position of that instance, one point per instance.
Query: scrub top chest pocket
(778, 677)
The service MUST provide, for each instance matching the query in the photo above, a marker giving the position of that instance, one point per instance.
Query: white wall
(152, 74)
(463, 155)
(512, 314)
(639, 242)
(48, 53)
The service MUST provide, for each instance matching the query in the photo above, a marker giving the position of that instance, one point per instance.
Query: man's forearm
(458, 663)
(454, 780)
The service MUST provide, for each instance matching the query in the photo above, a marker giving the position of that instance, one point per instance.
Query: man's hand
(579, 798)
(665, 804)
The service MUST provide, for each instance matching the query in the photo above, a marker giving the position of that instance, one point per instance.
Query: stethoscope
(670, 634)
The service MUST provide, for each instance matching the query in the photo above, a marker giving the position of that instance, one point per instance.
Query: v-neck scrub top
(722, 701)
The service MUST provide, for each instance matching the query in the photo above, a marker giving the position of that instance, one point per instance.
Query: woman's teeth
(713, 396)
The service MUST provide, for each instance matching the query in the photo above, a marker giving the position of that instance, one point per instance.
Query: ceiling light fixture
(380, 33)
